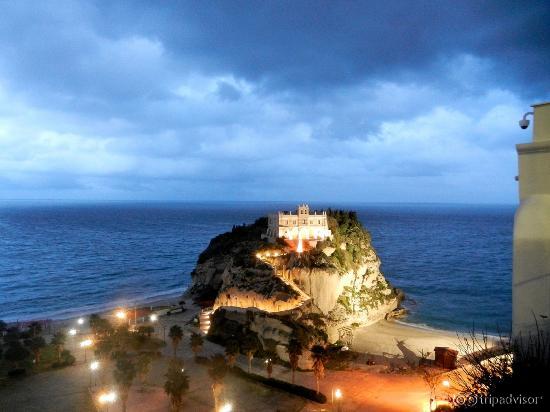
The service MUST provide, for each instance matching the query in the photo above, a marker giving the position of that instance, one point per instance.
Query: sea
(61, 259)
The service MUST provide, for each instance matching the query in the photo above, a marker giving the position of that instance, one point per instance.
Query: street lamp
(94, 365)
(72, 332)
(86, 343)
(226, 408)
(337, 398)
(120, 314)
(154, 317)
(80, 321)
(107, 398)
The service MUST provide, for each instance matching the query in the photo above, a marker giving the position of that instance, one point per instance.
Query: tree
(16, 353)
(35, 328)
(124, 374)
(35, 344)
(249, 346)
(231, 352)
(146, 330)
(319, 356)
(143, 365)
(99, 326)
(196, 343)
(514, 367)
(176, 385)
(3, 327)
(58, 342)
(217, 372)
(294, 350)
(12, 334)
(176, 334)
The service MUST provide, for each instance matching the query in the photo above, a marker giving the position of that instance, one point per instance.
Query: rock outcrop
(338, 282)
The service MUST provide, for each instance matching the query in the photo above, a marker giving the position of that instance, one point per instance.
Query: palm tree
(176, 334)
(217, 371)
(35, 344)
(231, 352)
(319, 356)
(294, 350)
(35, 329)
(58, 341)
(196, 343)
(124, 375)
(143, 365)
(249, 346)
(177, 383)
(16, 353)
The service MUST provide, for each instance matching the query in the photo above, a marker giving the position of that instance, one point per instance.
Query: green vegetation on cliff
(245, 238)
(350, 244)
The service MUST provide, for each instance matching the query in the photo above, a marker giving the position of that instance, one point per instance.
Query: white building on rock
(301, 224)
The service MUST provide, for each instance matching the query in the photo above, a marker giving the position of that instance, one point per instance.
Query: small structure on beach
(445, 357)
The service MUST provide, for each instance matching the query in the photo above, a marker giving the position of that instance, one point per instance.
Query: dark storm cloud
(210, 99)
(318, 44)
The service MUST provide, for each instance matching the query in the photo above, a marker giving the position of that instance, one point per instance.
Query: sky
(361, 101)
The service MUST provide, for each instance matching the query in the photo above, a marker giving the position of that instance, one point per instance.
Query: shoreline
(161, 299)
(68, 314)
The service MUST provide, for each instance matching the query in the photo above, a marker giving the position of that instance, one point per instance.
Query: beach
(395, 339)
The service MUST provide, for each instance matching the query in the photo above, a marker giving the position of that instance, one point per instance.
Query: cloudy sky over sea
(359, 101)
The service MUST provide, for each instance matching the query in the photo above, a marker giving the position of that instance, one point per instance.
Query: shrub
(298, 390)
(17, 373)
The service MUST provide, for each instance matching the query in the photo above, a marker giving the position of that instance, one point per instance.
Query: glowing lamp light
(154, 317)
(94, 365)
(86, 343)
(226, 408)
(120, 314)
(107, 397)
(80, 321)
(72, 332)
(337, 394)
(300, 247)
(446, 383)
(258, 256)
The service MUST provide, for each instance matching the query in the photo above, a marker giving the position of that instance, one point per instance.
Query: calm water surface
(453, 262)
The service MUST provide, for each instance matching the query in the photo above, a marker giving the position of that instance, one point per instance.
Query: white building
(531, 281)
(298, 225)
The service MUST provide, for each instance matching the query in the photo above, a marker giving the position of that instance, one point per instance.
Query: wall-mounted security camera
(524, 123)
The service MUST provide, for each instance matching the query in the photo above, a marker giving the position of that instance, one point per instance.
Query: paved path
(63, 390)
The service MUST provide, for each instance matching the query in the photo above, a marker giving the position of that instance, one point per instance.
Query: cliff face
(339, 279)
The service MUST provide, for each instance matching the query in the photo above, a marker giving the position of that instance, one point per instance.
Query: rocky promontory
(270, 289)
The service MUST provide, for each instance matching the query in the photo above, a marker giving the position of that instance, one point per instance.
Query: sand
(395, 339)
